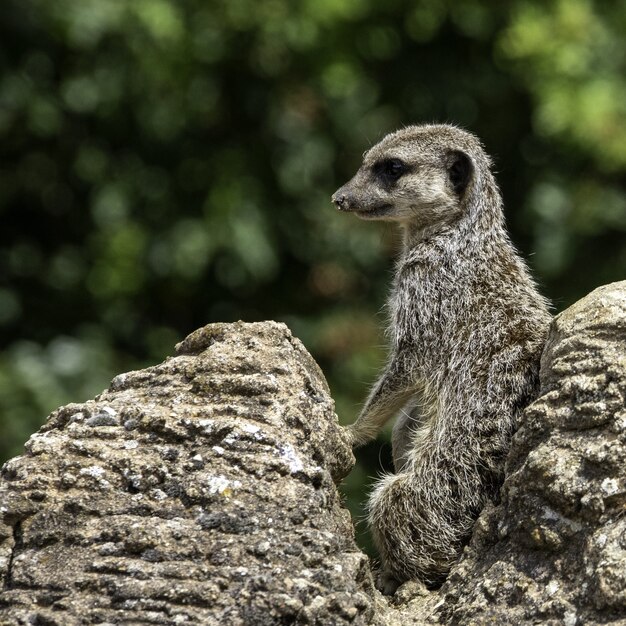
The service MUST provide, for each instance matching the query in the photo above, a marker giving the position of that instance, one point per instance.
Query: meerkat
(467, 329)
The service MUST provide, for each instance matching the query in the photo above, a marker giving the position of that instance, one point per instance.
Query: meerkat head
(418, 176)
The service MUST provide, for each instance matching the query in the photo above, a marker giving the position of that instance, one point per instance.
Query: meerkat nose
(341, 200)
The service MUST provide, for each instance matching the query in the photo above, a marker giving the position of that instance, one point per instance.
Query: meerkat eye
(391, 169)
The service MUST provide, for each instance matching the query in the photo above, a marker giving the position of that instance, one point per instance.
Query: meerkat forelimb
(467, 329)
(389, 394)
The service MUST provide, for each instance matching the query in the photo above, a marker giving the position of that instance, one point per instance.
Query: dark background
(165, 164)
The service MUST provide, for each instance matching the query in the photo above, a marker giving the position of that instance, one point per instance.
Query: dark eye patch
(390, 170)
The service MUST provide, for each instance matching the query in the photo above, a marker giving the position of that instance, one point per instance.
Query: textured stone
(201, 491)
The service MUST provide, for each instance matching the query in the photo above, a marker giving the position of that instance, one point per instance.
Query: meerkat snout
(341, 199)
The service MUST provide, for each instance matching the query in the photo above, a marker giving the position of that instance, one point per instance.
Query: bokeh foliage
(169, 163)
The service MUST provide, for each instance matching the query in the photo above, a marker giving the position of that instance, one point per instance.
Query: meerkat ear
(460, 169)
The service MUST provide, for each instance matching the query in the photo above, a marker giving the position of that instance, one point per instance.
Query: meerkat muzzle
(343, 200)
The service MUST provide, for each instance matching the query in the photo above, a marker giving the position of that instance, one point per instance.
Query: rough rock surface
(200, 491)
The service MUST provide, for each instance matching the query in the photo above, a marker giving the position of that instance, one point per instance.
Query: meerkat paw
(350, 434)
(356, 437)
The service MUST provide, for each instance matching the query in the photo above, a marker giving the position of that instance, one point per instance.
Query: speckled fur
(467, 330)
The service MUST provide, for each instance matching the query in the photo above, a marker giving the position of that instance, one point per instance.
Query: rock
(201, 491)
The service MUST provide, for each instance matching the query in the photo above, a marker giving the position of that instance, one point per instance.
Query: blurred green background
(165, 164)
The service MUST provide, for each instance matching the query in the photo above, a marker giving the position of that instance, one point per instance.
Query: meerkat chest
(426, 307)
